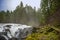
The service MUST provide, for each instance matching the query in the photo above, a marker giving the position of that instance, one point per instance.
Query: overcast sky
(11, 4)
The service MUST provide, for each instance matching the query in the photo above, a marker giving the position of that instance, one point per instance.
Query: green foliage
(21, 4)
(24, 15)
(54, 5)
(36, 36)
(44, 33)
(28, 15)
(48, 8)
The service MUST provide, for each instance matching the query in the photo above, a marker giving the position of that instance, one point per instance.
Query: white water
(13, 28)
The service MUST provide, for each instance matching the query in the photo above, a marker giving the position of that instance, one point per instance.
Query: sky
(12, 4)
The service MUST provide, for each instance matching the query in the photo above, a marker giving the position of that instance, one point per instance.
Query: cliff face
(55, 18)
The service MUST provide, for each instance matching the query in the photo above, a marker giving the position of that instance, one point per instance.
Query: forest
(45, 20)
(23, 15)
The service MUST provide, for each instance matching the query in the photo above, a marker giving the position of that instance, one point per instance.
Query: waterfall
(16, 30)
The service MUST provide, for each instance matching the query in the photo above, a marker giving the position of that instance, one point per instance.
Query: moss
(47, 34)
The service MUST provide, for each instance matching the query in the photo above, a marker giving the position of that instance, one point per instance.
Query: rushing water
(16, 30)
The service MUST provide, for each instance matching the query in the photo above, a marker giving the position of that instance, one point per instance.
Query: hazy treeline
(23, 15)
(28, 15)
